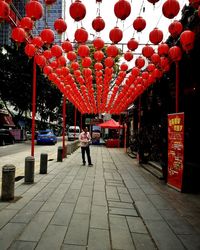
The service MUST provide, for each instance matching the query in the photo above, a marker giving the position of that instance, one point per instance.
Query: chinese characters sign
(175, 150)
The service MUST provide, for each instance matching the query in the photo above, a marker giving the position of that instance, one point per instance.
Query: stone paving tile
(143, 242)
(9, 233)
(6, 215)
(120, 235)
(111, 193)
(63, 214)
(52, 238)
(99, 217)
(122, 190)
(99, 198)
(71, 196)
(50, 206)
(159, 202)
(148, 189)
(147, 210)
(123, 211)
(76, 184)
(137, 194)
(78, 230)
(125, 197)
(191, 242)
(36, 227)
(83, 205)
(86, 190)
(23, 245)
(99, 186)
(98, 239)
(181, 226)
(120, 204)
(72, 247)
(44, 194)
(130, 183)
(136, 225)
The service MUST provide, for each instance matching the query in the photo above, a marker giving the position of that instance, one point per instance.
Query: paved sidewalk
(113, 205)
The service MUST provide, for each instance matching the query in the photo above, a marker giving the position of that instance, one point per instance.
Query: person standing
(85, 139)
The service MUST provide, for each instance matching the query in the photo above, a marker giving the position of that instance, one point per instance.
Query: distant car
(46, 137)
(6, 137)
(73, 132)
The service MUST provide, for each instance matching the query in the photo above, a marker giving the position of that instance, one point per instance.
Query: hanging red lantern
(175, 29)
(98, 55)
(18, 35)
(153, 1)
(151, 67)
(60, 25)
(98, 43)
(56, 50)
(49, 2)
(61, 61)
(65, 71)
(156, 36)
(195, 3)
(87, 72)
(175, 53)
(83, 50)
(187, 38)
(122, 9)
(145, 75)
(116, 35)
(54, 64)
(30, 50)
(140, 62)
(128, 56)
(157, 74)
(147, 51)
(98, 24)
(163, 49)
(77, 10)
(67, 46)
(124, 67)
(98, 66)
(74, 65)
(139, 24)
(37, 41)
(71, 55)
(164, 63)
(86, 62)
(112, 51)
(135, 71)
(40, 60)
(155, 58)
(47, 70)
(34, 10)
(4, 10)
(170, 8)
(132, 44)
(47, 54)
(109, 62)
(47, 36)
(81, 35)
(26, 23)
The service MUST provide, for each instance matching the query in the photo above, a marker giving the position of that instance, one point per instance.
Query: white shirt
(84, 139)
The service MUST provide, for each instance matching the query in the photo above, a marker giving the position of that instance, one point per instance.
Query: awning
(6, 120)
(112, 124)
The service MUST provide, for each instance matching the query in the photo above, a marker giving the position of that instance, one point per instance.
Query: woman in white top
(85, 139)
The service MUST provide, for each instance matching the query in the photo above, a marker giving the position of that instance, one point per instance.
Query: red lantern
(98, 24)
(62, 61)
(65, 71)
(4, 10)
(155, 58)
(187, 38)
(56, 50)
(26, 23)
(98, 66)
(98, 43)
(86, 62)
(151, 67)
(81, 35)
(175, 28)
(47, 54)
(122, 9)
(87, 72)
(153, 1)
(156, 36)
(175, 53)
(74, 65)
(98, 55)
(132, 44)
(145, 75)
(170, 8)
(71, 55)
(112, 51)
(195, 3)
(139, 24)
(18, 35)
(60, 25)
(54, 64)
(40, 60)
(147, 51)
(77, 10)
(109, 62)
(37, 41)
(67, 46)
(47, 36)
(140, 62)
(83, 50)
(47, 70)
(124, 67)
(116, 35)
(34, 10)
(135, 71)
(128, 56)
(30, 50)
(163, 49)
(164, 63)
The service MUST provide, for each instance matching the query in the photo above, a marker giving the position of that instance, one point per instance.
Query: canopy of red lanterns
(85, 73)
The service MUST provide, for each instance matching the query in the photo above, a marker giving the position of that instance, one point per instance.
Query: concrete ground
(115, 204)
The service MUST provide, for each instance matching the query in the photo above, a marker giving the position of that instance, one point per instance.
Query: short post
(29, 169)
(43, 163)
(8, 182)
(59, 154)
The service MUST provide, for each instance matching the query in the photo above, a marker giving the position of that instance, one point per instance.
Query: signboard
(175, 150)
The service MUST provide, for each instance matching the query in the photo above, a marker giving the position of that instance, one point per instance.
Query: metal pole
(33, 107)
(8, 182)
(75, 110)
(177, 87)
(64, 127)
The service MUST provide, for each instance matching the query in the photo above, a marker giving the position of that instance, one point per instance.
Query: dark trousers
(87, 150)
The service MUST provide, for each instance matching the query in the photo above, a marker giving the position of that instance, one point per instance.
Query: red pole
(74, 123)
(177, 87)
(33, 107)
(119, 130)
(64, 127)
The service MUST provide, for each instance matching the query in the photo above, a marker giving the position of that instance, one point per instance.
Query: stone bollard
(29, 169)
(43, 163)
(8, 182)
(59, 154)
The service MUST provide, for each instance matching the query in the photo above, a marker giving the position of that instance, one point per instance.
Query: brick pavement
(113, 205)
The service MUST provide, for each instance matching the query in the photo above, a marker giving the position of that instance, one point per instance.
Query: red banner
(175, 150)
